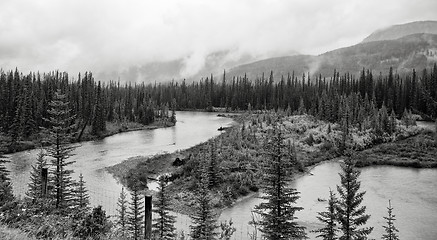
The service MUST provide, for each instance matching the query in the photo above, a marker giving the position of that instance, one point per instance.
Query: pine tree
(328, 218)
(392, 122)
(135, 215)
(122, 220)
(345, 123)
(384, 120)
(60, 135)
(277, 212)
(27, 122)
(164, 225)
(203, 218)
(390, 230)
(350, 214)
(94, 226)
(81, 197)
(435, 131)
(301, 110)
(213, 166)
(35, 186)
(99, 121)
(173, 111)
(6, 194)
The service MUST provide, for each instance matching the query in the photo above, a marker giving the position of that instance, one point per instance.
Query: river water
(92, 157)
(413, 192)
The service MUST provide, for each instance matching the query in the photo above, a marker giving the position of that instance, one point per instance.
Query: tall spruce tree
(435, 131)
(164, 224)
(122, 220)
(278, 220)
(390, 229)
(351, 216)
(6, 194)
(328, 218)
(35, 186)
(99, 120)
(213, 169)
(204, 222)
(60, 135)
(135, 215)
(81, 197)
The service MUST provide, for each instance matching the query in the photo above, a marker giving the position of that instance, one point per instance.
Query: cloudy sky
(110, 37)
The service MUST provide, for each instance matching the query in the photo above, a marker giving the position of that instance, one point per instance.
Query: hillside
(402, 30)
(414, 51)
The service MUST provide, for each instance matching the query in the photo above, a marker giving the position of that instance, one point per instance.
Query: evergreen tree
(6, 194)
(122, 220)
(328, 218)
(99, 121)
(164, 224)
(203, 219)
(345, 115)
(384, 120)
(61, 132)
(435, 131)
(350, 214)
(213, 170)
(390, 230)
(135, 215)
(82, 199)
(95, 225)
(226, 230)
(173, 111)
(35, 186)
(392, 122)
(27, 122)
(302, 109)
(277, 212)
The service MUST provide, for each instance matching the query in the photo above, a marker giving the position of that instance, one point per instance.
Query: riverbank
(112, 128)
(419, 151)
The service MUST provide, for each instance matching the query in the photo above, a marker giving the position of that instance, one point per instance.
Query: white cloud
(115, 36)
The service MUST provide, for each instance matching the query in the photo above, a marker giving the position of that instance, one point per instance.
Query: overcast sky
(108, 36)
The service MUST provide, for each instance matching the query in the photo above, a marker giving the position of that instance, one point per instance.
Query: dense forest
(24, 104)
(24, 98)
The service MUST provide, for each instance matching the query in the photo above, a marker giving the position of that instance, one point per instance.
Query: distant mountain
(413, 51)
(164, 71)
(402, 30)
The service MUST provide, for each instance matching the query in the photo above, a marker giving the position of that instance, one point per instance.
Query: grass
(419, 151)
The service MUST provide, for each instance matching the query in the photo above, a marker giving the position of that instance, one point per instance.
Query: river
(413, 192)
(92, 157)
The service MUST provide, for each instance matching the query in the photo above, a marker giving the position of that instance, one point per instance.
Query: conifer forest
(199, 127)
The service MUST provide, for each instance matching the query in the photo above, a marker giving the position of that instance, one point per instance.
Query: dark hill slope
(414, 51)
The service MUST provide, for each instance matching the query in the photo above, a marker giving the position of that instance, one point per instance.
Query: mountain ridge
(402, 30)
(403, 54)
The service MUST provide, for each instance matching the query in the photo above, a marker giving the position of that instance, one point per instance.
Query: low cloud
(123, 39)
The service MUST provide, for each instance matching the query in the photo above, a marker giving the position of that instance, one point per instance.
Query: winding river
(413, 192)
(92, 157)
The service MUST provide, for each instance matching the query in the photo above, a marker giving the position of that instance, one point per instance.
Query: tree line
(25, 99)
(415, 91)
